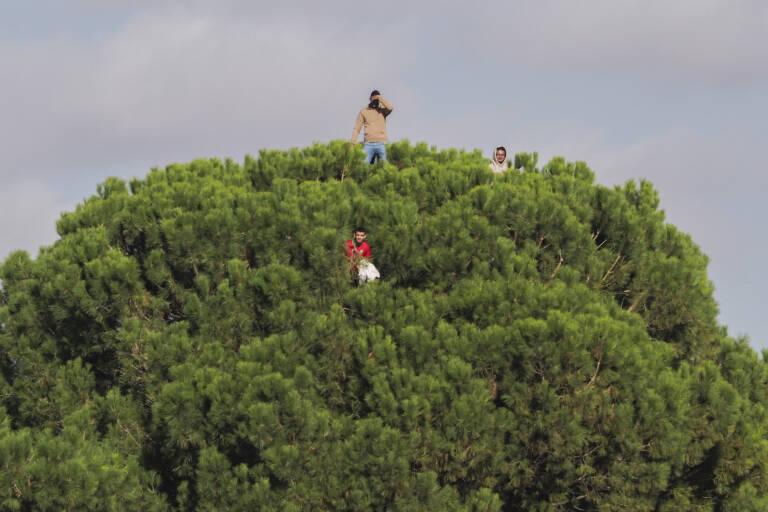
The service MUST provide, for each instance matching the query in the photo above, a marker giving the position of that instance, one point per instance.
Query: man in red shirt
(357, 247)
(359, 254)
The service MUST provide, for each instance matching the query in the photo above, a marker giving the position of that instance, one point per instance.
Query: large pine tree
(538, 342)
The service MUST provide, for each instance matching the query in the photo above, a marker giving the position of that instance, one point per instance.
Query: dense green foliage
(538, 342)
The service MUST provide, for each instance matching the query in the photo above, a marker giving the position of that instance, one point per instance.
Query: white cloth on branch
(367, 271)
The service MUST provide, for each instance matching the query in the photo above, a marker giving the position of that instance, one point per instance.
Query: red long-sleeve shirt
(363, 249)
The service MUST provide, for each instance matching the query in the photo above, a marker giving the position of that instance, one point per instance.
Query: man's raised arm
(385, 106)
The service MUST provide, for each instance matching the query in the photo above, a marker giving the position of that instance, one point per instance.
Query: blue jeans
(374, 150)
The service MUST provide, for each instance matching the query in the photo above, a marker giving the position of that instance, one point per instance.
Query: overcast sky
(673, 92)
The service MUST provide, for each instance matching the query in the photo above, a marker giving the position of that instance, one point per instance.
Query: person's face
(501, 156)
(359, 236)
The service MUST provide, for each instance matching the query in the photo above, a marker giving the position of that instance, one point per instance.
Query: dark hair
(375, 92)
(361, 229)
(501, 148)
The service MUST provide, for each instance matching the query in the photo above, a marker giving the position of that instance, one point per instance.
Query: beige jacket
(374, 121)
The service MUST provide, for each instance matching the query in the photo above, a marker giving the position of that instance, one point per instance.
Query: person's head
(360, 234)
(374, 103)
(500, 154)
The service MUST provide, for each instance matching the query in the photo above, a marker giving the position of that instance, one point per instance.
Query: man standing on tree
(373, 119)
(499, 162)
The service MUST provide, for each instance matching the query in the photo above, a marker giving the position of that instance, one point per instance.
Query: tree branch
(610, 270)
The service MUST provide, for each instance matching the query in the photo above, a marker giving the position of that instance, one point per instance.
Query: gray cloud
(171, 80)
(30, 212)
(722, 41)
